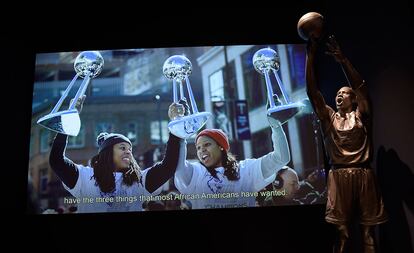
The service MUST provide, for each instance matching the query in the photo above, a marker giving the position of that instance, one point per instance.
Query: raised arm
(160, 172)
(64, 168)
(279, 157)
(184, 172)
(322, 110)
(354, 78)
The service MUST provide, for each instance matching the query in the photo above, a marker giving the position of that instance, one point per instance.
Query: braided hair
(103, 168)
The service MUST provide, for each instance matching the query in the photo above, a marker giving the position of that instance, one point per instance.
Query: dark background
(378, 41)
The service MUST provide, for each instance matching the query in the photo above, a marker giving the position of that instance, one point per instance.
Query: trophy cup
(87, 65)
(177, 68)
(264, 61)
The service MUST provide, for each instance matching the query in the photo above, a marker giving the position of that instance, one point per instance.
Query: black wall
(378, 41)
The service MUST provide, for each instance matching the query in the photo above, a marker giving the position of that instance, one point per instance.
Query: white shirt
(206, 191)
(203, 190)
(123, 199)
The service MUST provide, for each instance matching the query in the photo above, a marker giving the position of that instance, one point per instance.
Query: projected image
(173, 129)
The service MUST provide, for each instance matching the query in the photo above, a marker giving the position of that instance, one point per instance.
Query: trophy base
(279, 115)
(188, 125)
(65, 122)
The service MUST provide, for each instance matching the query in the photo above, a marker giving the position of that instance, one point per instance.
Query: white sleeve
(252, 176)
(258, 173)
(279, 157)
(184, 173)
(81, 188)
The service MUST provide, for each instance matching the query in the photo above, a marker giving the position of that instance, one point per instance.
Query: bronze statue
(352, 185)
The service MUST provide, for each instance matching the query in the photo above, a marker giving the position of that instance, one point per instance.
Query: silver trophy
(87, 65)
(177, 68)
(264, 61)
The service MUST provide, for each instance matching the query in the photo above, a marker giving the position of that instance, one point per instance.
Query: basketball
(310, 25)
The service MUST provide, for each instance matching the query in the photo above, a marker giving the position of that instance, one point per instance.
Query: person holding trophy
(352, 185)
(218, 180)
(114, 181)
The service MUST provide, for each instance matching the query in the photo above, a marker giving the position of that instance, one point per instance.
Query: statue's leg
(343, 235)
(368, 239)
